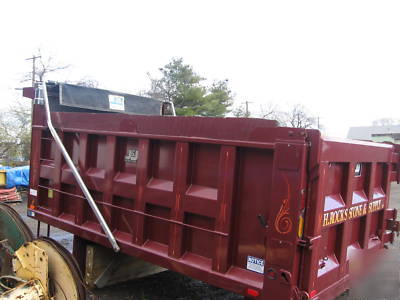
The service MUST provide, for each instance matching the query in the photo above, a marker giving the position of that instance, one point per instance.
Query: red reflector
(252, 293)
(313, 293)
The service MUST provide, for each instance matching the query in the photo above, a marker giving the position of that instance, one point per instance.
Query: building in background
(390, 133)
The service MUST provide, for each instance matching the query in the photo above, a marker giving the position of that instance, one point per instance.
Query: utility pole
(247, 108)
(33, 59)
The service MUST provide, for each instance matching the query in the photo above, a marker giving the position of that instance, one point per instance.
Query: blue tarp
(18, 176)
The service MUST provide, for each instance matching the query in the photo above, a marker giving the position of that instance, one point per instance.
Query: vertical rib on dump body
(239, 203)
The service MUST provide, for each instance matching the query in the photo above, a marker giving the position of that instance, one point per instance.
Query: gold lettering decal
(345, 214)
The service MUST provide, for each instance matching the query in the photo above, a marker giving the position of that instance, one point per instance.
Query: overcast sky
(341, 59)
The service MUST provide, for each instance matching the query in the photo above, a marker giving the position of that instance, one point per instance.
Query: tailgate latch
(308, 242)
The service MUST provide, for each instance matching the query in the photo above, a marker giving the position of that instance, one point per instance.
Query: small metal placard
(132, 156)
(116, 102)
(33, 192)
(255, 264)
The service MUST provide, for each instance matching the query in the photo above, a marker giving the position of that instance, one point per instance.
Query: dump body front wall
(221, 200)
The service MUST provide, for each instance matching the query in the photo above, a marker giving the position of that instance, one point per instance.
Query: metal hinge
(308, 242)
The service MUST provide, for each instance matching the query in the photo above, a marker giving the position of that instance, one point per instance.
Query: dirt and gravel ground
(383, 282)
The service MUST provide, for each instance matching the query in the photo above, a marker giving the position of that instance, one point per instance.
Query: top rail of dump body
(238, 203)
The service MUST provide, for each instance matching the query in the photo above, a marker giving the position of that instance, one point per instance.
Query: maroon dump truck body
(264, 211)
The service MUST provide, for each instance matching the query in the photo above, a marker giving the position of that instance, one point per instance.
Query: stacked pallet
(9, 195)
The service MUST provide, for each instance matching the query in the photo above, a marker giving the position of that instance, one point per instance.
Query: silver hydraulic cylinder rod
(76, 174)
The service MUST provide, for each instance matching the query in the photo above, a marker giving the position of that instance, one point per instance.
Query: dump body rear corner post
(281, 271)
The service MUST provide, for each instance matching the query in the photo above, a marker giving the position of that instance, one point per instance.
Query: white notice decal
(33, 192)
(255, 264)
(116, 102)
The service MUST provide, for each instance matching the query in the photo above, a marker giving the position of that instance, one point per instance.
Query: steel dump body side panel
(212, 198)
(183, 193)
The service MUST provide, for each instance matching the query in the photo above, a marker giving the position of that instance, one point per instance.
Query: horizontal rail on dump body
(264, 211)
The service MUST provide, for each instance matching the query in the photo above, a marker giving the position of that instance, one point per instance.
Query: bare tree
(270, 111)
(15, 122)
(295, 116)
(44, 65)
(241, 112)
(299, 117)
